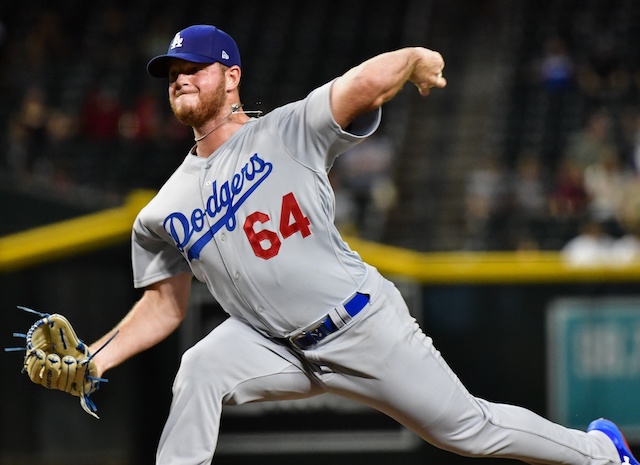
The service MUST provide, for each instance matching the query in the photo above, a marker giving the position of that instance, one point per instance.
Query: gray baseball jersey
(254, 221)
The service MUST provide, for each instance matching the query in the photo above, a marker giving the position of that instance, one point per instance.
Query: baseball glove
(57, 359)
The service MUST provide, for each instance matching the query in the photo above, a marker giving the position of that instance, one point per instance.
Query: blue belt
(317, 333)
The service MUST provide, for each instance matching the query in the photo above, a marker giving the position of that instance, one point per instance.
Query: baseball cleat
(611, 430)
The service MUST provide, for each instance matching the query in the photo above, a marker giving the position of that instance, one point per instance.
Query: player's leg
(391, 365)
(232, 365)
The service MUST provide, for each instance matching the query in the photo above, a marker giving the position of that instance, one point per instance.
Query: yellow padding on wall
(486, 267)
(113, 226)
(71, 237)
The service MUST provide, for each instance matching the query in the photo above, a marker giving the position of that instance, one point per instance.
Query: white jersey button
(237, 275)
(207, 184)
(223, 237)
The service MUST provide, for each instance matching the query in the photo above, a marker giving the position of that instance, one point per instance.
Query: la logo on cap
(177, 41)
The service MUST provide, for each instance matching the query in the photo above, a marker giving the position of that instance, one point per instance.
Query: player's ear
(233, 77)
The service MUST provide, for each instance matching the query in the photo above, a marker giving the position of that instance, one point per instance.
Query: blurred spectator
(634, 141)
(605, 56)
(27, 134)
(552, 95)
(569, 197)
(567, 203)
(61, 150)
(588, 146)
(144, 120)
(366, 172)
(604, 76)
(38, 51)
(556, 68)
(530, 194)
(154, 41)
(113, 52)
(591, 247)
(629, 208)
(17, 154)
(101, 114)
(344, 217)
(145, 141)
(627, 248)
(100, 125)
(487, 205)
(605, 182)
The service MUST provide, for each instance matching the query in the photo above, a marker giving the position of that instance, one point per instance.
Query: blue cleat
(611, 430)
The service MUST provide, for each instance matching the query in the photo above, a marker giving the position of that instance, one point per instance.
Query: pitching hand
(428, 71)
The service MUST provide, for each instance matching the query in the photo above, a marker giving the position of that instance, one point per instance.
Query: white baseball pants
(381, 358)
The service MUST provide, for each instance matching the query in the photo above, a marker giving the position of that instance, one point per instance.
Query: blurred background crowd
(557, 153)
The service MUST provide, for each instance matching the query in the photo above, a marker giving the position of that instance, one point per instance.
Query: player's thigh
(238, 364)
(388, 362)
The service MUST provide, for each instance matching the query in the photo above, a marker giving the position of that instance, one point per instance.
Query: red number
(290, 208)
(256, 239)
(266, 243)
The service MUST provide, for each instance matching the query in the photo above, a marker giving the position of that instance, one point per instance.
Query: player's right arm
(369, 85)
(155, 316)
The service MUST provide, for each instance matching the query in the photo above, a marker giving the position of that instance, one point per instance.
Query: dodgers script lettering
(220, 206)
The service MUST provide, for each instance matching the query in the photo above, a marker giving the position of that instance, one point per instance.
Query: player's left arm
(153, 318)
(369, 85)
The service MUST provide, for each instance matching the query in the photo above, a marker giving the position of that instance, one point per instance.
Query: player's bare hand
(428, 71)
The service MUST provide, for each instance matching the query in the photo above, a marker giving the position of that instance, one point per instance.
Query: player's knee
(475, 436)
(473, 448)
(468, 446)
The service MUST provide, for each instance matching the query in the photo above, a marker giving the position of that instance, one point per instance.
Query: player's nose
(178, 78)
(179, 84)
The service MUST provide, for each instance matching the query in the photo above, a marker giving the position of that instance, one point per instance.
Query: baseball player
(249, 212)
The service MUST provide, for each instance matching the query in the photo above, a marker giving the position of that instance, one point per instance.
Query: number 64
(266, 243)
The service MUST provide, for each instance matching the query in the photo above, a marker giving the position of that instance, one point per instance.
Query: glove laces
(87, 404)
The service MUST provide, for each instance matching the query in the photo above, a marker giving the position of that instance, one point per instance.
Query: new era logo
(177, 41)
(225, 55)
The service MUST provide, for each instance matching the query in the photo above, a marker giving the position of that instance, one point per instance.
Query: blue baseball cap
(198, 44)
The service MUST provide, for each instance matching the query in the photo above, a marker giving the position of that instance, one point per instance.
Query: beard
(210, 105)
